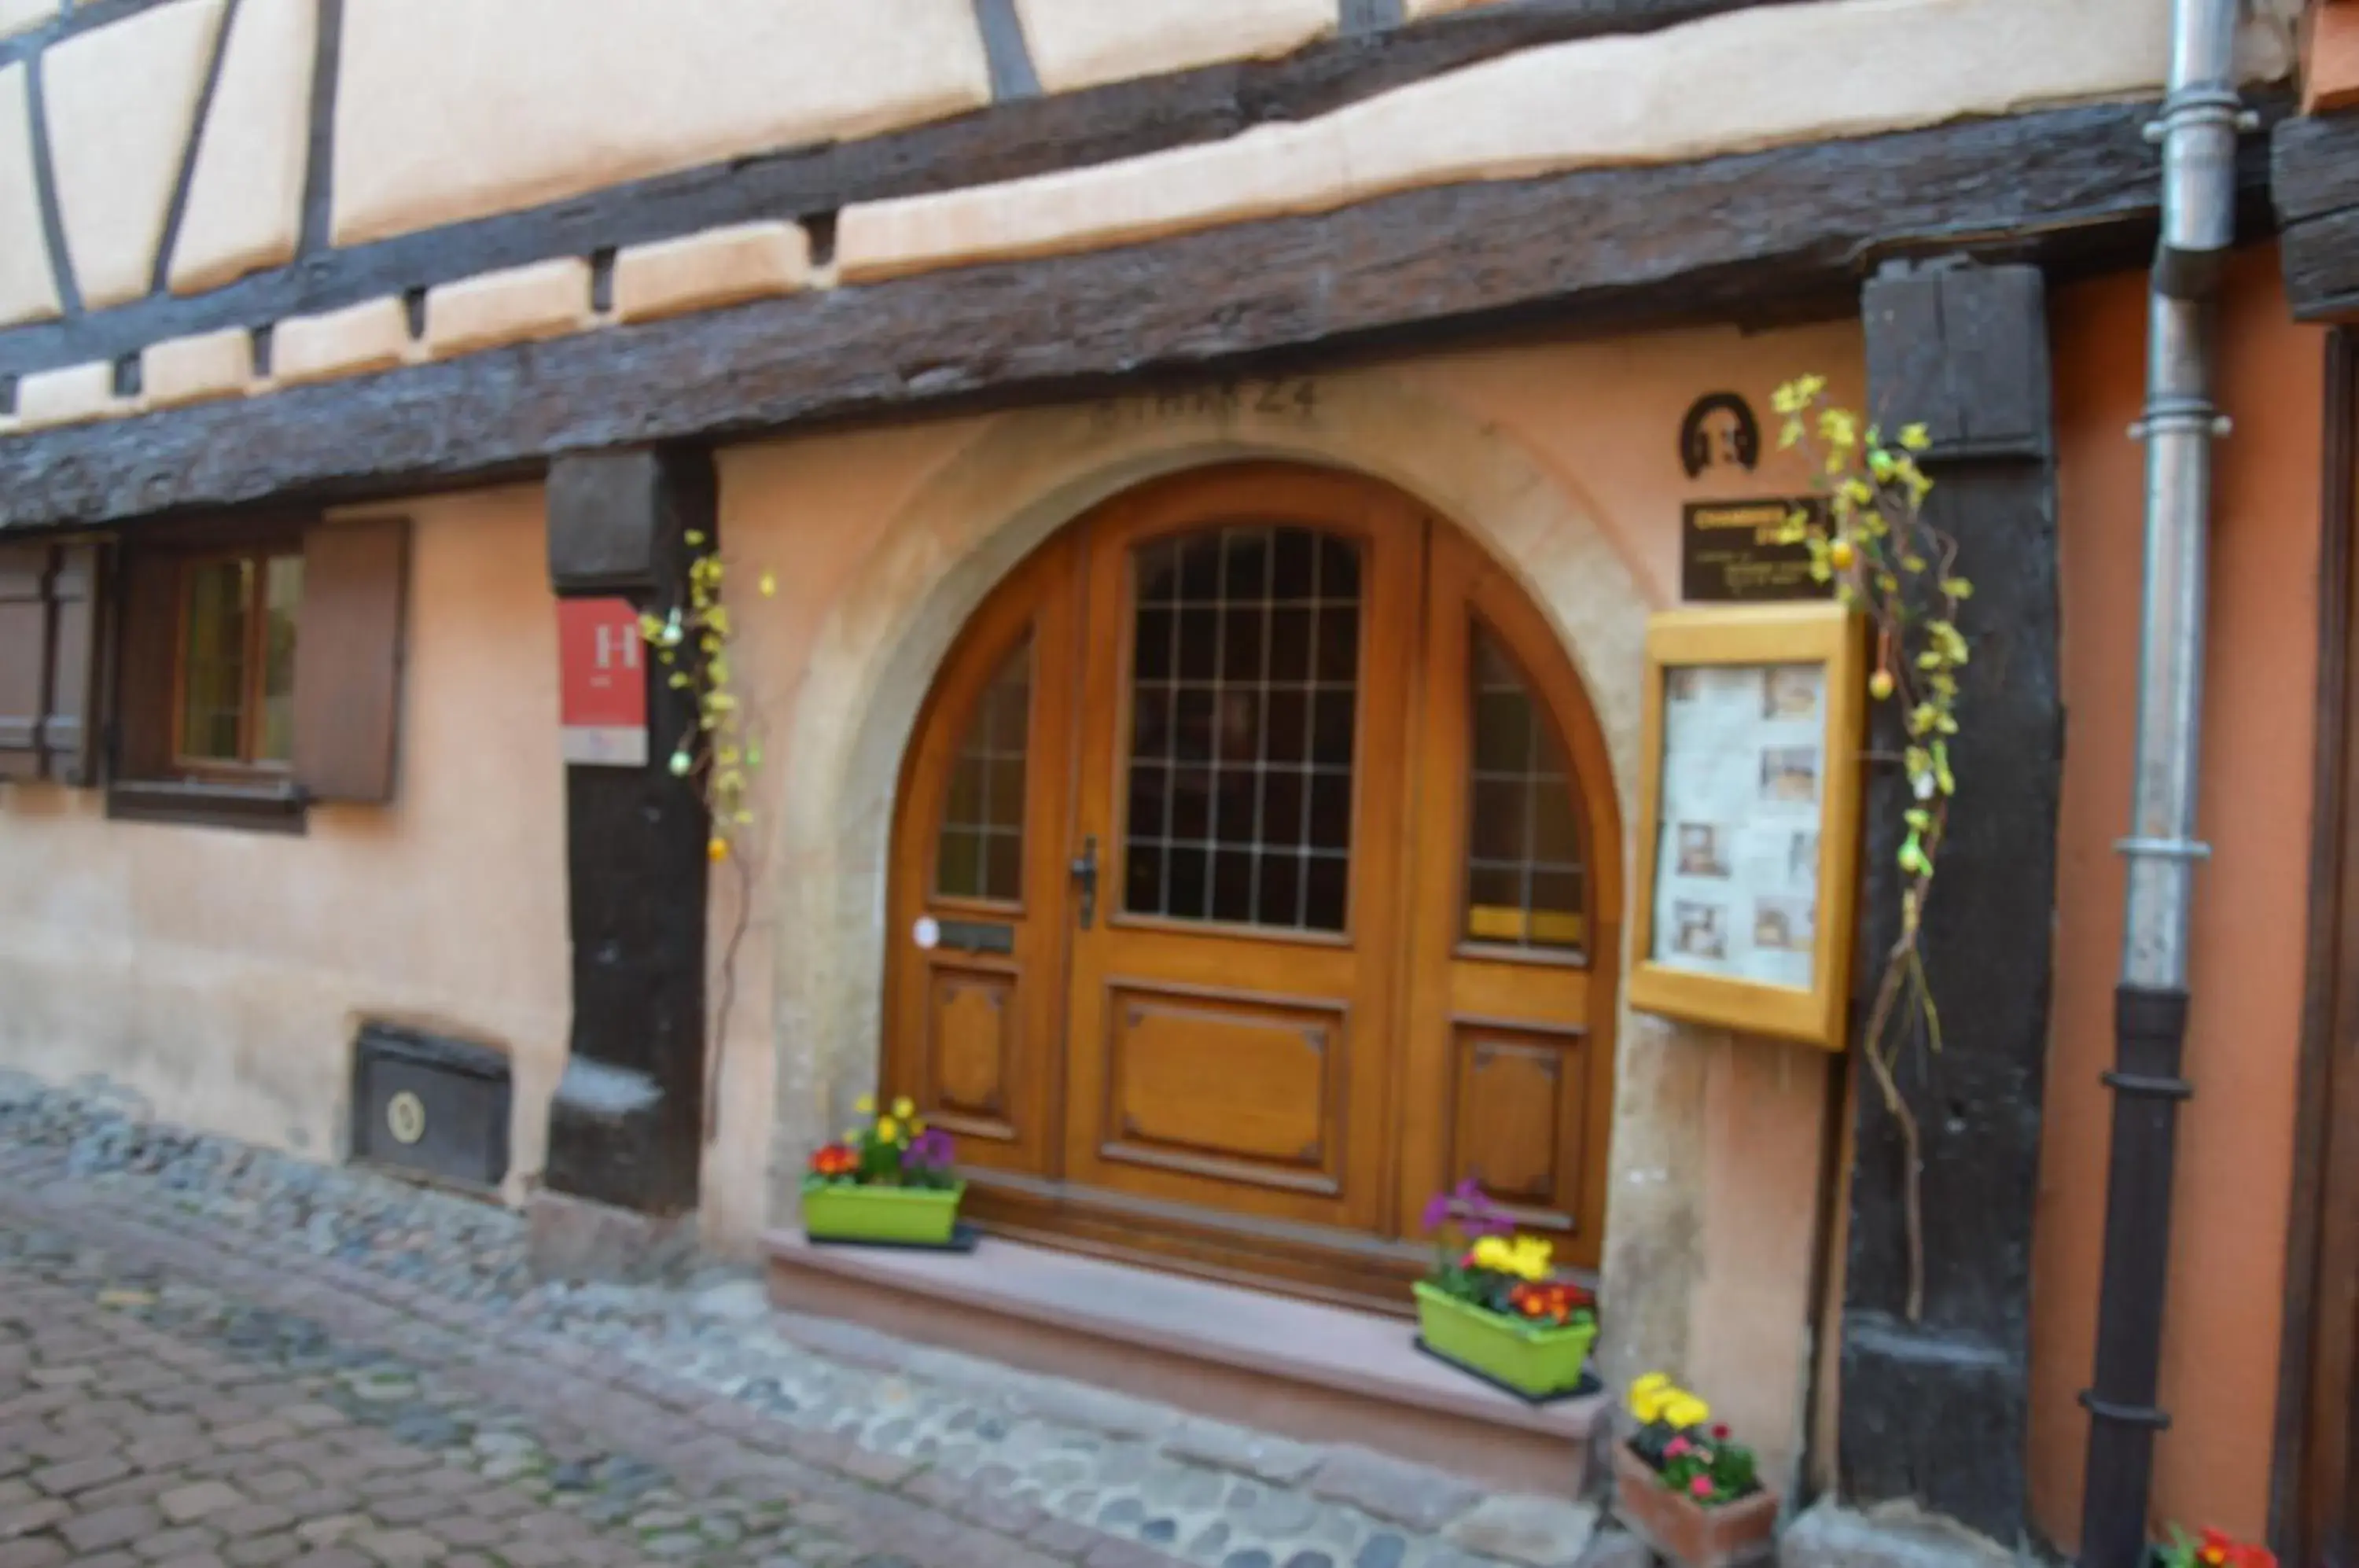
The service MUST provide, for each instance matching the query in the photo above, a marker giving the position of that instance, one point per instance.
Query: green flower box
(1538, 1363)
(901, 1216)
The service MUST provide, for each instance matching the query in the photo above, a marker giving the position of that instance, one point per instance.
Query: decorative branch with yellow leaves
(1874, 542)
(719, 753)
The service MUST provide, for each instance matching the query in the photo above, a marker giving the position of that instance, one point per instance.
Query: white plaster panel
(1616, 100)
(68, 395)
(245, 197)
(195, 369)
(370, 335)
(452, 109)
(122, 100)
(716, 267)
(29, 288)
(1077, 43)
(542, 300)
(23, 16)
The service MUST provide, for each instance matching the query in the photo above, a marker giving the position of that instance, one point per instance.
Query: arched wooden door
(1256, 874)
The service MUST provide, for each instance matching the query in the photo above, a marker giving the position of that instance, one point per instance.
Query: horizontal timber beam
(1786, 232)
(2314, 179)
(1006, 141)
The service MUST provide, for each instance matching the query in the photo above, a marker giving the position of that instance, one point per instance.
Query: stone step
(1275, 1363)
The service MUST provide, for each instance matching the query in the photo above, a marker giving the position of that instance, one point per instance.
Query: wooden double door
(1256, 874)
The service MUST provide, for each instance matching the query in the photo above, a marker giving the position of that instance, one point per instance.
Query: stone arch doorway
(1256, 870)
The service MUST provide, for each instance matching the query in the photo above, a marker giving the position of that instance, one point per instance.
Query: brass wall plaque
(1730, 553)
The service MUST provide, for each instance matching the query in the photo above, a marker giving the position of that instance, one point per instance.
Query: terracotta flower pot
(1682, 1530)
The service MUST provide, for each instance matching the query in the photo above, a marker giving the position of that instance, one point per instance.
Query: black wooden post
(624, 1129)
(1936, 1409)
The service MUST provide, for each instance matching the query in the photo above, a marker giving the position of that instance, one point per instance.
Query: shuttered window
(47, 637)
(261, 673)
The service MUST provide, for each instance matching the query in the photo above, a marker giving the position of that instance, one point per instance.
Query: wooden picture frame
(1744, 762)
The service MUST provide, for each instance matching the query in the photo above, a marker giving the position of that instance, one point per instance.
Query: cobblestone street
(209, 1355)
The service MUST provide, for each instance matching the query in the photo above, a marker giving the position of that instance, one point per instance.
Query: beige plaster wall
(1563, 461)
(2233, 1186)
(1723, 84)
(222, 973)
(452, 110)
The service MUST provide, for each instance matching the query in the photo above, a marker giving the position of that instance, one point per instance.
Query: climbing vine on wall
(719, 751)
(1874, 542)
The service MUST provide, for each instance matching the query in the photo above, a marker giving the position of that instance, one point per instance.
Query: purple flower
(929, 1150)
(1437, 1211)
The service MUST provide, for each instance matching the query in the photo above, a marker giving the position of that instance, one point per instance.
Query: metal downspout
(2197, 129)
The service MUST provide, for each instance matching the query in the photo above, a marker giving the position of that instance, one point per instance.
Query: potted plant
(2212, 1549)
(890, 1180)
(1493, 1306)
(1686, 1487)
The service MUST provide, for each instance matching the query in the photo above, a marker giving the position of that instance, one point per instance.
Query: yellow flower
(903, 1108)
(1647, 1396)
(769, 586)
(1686, 1410)
(1525, 1258)
(866, 1105)
(888, 1130)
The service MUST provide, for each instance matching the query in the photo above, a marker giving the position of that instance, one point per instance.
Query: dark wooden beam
(2314, 179)
(1012, 139)
(1963, 351)
(1777, 233)
(625, 1126)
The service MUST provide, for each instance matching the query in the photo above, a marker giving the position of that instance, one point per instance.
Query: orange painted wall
(2219, 1356)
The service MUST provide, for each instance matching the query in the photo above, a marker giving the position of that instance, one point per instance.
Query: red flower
(1676, 1447)
(1701, 1486)
(1720, 1430)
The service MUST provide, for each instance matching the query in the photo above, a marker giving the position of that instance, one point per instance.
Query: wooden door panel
(971, 1051)
(1519, 1127)
(1518, 864)
(1358, 896)
(1232, 1087)
(978, 862)
(1254, 614)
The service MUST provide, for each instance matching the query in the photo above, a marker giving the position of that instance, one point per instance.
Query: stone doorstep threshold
(1276, 1364)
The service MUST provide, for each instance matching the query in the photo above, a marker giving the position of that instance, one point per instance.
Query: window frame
(147, 777)
(254, 671)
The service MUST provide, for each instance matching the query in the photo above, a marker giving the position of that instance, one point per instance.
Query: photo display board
(1753, 734)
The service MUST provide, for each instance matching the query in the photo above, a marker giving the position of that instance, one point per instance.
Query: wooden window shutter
(24, 658)
(49, 635)
(348, 657)
(150, 607)
(69, 728)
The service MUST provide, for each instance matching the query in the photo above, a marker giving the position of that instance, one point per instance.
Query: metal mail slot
(978, 936)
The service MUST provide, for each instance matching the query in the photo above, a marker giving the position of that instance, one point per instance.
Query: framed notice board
(1748, 858)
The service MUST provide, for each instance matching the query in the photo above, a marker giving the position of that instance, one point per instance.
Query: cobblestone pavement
(212, 1354)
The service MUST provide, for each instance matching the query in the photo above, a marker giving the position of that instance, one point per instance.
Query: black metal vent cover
(430, 1105)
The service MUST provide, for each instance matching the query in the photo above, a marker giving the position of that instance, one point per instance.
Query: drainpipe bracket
(2163, 848)
(2150, 1415)
(2148, 1085)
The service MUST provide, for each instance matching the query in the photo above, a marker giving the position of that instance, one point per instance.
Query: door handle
(1085, 878)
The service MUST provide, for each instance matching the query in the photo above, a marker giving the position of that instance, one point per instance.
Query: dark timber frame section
(2314, 176)
(1964, 350)
(1016, 137)
(627, 1126)
(2314, 1502)
(1770, 235)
